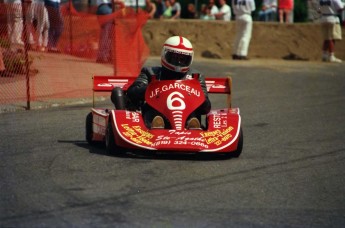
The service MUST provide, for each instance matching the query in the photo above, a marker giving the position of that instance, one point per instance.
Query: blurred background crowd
(297, 10)
(86, 29)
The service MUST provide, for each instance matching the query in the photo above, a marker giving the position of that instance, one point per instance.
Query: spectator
(331, 28)
(160, 7)
(167, 14)
(150, 8)
(176, 9)
(286, 11)
(105, 7)
(55, 24)
(268, 10)
(14, 23)
(104, 54)
(191, 13)
(313, 10)
(244, 24)
(39, 13)
(213, 9)
(205, 13)
(224, 11)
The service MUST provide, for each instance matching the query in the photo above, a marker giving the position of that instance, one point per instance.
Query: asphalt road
(291, 172)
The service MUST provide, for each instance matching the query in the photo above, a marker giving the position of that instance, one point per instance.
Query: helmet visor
(178, 59)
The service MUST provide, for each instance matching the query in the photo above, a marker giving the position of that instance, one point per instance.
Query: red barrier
(67, 72)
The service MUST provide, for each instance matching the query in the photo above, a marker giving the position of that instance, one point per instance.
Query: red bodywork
(176, 100)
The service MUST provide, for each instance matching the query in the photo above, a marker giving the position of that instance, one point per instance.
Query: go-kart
(124, 129)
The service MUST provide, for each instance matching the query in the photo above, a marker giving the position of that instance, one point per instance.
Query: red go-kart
(123, 129)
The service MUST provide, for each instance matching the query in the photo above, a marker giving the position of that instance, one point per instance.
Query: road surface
(291, 172)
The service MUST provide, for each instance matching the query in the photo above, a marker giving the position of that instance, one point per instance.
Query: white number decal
(171, 99)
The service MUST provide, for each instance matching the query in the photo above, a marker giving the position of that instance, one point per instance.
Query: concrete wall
(269, 40)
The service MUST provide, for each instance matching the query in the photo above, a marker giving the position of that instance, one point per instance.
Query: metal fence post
(26, 46)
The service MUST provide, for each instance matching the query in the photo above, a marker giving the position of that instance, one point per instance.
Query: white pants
(244, 26)
(15, 23)
(39, 12)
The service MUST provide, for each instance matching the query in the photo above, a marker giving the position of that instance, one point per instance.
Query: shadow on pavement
(99, 149)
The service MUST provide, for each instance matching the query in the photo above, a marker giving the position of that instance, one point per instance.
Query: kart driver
(176, 58)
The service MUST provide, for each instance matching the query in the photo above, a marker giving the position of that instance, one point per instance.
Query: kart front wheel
(110, 143)
(238, 151)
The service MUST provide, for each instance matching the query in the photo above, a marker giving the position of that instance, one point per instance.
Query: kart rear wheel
(238, 151)
(89, 128)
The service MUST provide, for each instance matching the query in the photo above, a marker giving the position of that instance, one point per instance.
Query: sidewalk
(61, 79)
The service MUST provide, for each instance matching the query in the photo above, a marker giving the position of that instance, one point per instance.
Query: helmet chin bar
(181, 69)
(174, 68)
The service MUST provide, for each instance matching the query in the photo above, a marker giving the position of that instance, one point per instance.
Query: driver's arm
(206, 106)
(136, 92)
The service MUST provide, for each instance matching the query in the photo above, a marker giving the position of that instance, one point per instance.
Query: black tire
(89, 129)
(238, 151)
(110, 143)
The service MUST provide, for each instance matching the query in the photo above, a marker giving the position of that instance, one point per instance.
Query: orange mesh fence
(43, 71)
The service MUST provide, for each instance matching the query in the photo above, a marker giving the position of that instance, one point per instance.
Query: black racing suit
(136, 92)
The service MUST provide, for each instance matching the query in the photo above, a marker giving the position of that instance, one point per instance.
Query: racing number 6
(180, 103)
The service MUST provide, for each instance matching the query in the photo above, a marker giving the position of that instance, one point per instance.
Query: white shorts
(331, 31)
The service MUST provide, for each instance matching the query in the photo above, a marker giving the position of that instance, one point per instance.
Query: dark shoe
(157, 123)
(193, 123)
(235, 57)
(243, 58)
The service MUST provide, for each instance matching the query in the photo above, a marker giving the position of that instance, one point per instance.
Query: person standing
(150, 8)
(191, 12)
(213, 9)
(56, 24)
(38, 12)
(167, 14)
(331, 28)
(175, 9)
(286, 11)
(14, 23)
(244, 25)
(205, 13)
(224, 11)
(106, 7)
(104, 54)
(160, 8)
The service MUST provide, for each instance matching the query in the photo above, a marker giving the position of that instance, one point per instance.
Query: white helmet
(177, 54)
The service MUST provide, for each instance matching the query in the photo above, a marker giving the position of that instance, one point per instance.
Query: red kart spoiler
(107, 83)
